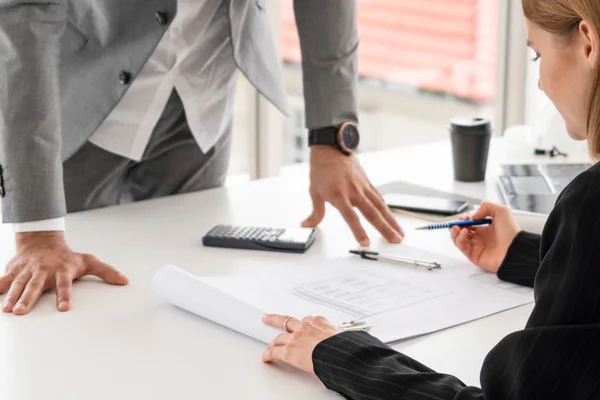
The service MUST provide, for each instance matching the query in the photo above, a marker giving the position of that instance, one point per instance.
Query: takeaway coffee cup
(470, 146)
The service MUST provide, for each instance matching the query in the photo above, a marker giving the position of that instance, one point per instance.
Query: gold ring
(285, 324)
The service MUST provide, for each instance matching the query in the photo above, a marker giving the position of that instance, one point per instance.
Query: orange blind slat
(443, 45)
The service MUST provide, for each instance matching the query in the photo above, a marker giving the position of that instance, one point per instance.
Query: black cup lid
(470, 125)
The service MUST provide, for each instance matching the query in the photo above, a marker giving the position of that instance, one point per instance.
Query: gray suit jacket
(64, 65)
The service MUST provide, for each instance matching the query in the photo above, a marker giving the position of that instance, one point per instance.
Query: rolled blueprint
(192, 294)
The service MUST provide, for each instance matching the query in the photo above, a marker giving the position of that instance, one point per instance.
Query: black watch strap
(323, 136)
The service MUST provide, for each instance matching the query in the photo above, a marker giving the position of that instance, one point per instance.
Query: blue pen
(463, 223)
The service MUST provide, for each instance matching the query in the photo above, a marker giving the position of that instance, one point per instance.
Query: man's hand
(341, 181)
(44, 262)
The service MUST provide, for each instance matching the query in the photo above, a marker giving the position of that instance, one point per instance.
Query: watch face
(350, 137)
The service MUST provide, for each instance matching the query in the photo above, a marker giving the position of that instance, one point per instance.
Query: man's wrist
(27, 240)
(47, 225)
(328, 157)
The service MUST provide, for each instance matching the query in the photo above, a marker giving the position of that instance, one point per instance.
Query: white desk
(124, 343)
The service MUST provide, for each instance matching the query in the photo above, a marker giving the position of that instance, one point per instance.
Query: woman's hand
(486, 246)
(296, 346)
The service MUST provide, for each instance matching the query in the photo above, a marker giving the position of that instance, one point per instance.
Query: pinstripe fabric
(556, 356)
(522, 259)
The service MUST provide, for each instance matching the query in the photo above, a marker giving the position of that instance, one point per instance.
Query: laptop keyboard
(560, 175)
(529, 185)
(535, 187)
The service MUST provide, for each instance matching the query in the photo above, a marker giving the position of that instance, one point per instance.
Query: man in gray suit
(104, 102)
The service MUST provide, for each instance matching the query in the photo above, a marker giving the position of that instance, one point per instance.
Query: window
(420, 64)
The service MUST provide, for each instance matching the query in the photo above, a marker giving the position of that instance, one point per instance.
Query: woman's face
(566, 72)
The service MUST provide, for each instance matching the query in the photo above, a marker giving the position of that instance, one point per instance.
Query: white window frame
(265, 151)
(511, 93)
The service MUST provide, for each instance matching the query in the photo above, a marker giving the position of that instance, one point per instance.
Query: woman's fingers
(282, 340)
(296, 348)
(454, 232)
(274, 353)
(487, 209)
(463, 241)
(283, 322)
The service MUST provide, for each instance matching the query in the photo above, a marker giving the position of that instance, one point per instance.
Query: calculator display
(297, 235)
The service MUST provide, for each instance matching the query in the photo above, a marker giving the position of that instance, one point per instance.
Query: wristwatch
(344, 137)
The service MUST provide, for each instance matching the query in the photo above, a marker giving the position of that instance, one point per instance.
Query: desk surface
(125, 343)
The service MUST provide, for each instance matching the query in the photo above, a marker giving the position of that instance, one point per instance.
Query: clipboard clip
(355, 326)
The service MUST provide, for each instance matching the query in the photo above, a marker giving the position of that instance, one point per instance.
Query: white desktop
(127, 343)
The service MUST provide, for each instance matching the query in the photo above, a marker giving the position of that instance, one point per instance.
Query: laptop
(535, 187)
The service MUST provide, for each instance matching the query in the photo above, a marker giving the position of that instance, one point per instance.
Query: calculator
(289, 240)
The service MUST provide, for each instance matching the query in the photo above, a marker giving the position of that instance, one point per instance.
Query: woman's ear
(589, 36)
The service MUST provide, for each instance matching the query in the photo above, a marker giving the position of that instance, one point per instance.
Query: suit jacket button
(124, 78)
(162, 17)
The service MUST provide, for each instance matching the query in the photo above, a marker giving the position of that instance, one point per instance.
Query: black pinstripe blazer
(556, 356)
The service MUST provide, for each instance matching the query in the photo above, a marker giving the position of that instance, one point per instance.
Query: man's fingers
(5, 282)
(274, 353)
(318, 213)
(15, 292)
(103, 271)
(279, 321)
(375, 198)
(33, 290)
(376, 219)
(64, 284)
(376, 191)
(353, 221)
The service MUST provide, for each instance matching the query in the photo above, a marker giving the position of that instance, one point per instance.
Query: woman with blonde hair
(557, 354)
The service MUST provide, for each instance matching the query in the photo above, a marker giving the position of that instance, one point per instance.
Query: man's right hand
(43, 262)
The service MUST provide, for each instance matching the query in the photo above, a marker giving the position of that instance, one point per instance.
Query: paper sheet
(399, 301)
(187, 291)
(363, 295)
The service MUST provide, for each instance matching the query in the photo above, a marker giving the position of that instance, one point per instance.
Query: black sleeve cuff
(331, 357)
(346, 362)
(522, 260)
(359, 366)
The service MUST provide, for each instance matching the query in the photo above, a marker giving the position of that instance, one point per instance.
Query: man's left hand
(340, 180)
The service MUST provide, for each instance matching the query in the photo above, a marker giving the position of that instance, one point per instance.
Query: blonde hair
(562, 18)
